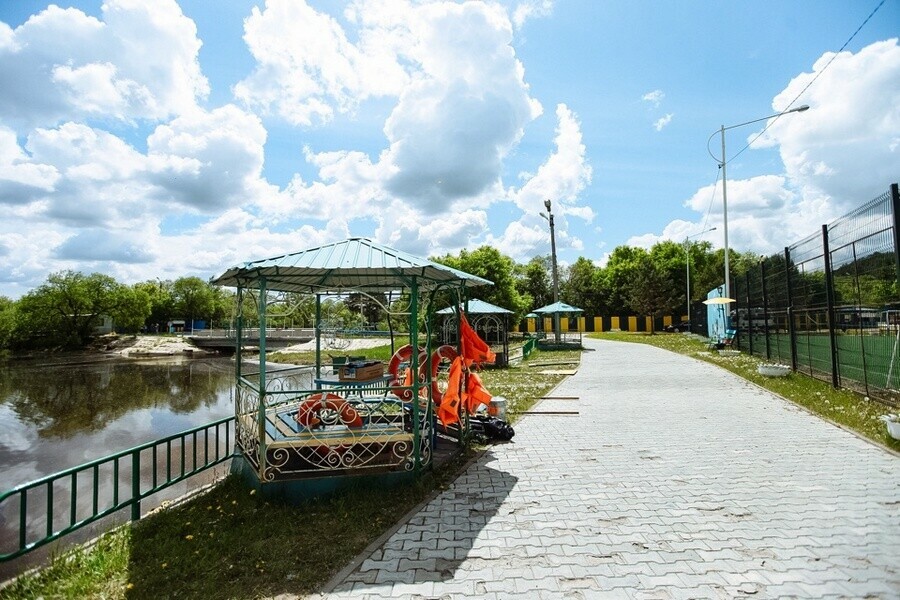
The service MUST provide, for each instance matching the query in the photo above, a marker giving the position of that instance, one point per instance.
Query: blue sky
(155, 138)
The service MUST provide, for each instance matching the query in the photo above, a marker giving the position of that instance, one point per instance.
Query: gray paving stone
(677, 480)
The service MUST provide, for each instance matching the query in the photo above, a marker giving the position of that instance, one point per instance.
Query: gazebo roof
(478, 307)
(356, 263)
(557, 307)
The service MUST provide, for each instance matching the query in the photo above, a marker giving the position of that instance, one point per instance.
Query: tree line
(64, 311)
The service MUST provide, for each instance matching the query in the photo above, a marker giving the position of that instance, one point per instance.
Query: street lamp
(722, 163)
(687, 274)
(549, 218)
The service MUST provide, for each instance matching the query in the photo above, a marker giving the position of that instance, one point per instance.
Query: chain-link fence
(829, 306)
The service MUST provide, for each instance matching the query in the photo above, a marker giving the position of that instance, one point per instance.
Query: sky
(149, 139)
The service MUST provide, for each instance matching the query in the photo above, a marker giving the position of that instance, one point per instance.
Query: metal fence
(829, 306)
(39, 512)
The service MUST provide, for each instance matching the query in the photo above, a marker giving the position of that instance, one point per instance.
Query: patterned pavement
(676, 480)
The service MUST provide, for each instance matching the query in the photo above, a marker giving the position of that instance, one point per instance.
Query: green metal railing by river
(104, 486)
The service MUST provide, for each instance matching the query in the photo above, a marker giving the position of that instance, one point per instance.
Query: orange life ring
(401, 388)
(309, 409)
(433, 364)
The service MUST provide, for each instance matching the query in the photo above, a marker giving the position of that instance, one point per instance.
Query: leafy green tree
(489, 263)
(223, 306)
(69, 306)
(193, 298)
(162, 304)
(369, 306)
(533, 281)
(581, 287)
(134, 306)
(707, 270)
(7, 321)
(650, 291)
(620, 271)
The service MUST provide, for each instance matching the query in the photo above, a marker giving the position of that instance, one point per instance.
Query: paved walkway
(677, 480)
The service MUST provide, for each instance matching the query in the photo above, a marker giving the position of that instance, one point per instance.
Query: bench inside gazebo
(303, 431)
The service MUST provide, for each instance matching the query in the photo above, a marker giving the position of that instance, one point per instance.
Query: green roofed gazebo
(563, 339)
(296, 426)
(490, 321)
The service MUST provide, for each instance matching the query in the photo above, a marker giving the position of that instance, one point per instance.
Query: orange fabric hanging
(448, 411)
(474, 349)
(476, 393)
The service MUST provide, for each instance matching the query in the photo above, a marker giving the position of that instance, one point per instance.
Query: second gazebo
(490, 321)
(562, 337)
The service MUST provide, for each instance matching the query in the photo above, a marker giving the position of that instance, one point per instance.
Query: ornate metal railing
(307, 426)
(54, 506)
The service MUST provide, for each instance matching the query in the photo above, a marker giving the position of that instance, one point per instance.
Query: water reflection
(54, 416)
(60, 414)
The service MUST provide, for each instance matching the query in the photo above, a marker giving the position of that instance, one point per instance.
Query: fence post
(765, 301)
(829, 300)
(749, 310)
(135, 485)
(792, 334)
(895, 209)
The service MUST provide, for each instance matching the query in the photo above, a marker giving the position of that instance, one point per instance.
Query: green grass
(230, 543)
(844, 407)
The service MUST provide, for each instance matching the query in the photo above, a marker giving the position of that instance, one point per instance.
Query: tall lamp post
(549, 218)
(687, 273)
(722, 164)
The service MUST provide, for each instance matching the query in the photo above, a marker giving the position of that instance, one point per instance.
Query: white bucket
(498, 407)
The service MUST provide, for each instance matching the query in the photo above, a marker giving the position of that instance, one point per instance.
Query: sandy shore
(167, 345)
(151, 345)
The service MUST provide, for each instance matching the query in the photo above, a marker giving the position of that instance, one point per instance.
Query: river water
(60, 413)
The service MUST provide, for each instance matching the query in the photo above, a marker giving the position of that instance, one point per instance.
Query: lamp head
(547, 205)
(802, 108)
(546, 218)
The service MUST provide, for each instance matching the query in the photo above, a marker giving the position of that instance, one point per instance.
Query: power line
(806, 87)
(711, 199)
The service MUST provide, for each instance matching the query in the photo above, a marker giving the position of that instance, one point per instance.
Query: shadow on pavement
(433, 543)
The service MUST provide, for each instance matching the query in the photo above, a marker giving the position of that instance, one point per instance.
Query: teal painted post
(414, 365)
(136, 485)
(318, 339)
(261, 415)
(238, 338)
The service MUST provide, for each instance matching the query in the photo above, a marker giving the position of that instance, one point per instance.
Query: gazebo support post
(261, 433)
(318, 338)
(414, 365)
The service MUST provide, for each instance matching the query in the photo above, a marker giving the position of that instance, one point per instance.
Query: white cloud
(662, 122)
(209, 160)
(458, 119)
(838, 155)
(564, 175)
(654, 97)
(138, 62)
(21, 180)
(193, 199)
(844, 147)
(531, 9)
(88, 200)
(306, 75)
